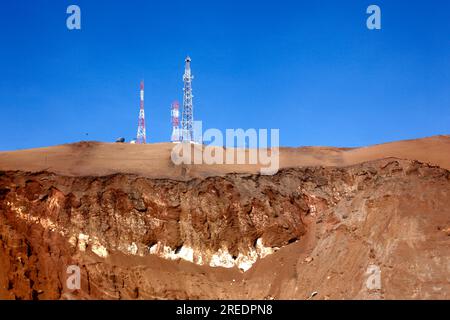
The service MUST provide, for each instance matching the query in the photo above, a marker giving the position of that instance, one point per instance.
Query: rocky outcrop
(124, 229)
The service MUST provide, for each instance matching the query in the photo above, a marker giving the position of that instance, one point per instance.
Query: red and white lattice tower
(141, 136)
(175, 113)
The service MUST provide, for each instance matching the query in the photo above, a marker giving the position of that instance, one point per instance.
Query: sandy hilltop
(332, 223)
(153, 160)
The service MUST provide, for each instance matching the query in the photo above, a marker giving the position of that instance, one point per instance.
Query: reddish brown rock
(382, 213)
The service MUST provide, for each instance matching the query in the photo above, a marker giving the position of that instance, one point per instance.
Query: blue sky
(309, 68)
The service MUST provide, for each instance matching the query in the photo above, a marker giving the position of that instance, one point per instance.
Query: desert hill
(153, 160)
(332, 223)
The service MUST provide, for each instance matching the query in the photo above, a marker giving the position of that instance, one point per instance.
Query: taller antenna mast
(188, 112)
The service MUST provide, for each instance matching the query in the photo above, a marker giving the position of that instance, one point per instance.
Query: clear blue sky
(310, 68)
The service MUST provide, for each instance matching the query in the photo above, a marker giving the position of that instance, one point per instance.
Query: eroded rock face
(117, 226)
(217, 221)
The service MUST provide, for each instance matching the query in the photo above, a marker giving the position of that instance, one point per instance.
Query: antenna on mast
(187, 120)
(141, 134)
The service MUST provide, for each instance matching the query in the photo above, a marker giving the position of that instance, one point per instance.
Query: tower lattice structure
(187, 120)
(141, 132)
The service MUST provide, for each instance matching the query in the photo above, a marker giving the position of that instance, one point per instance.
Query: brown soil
(153, 160)
(331, 213)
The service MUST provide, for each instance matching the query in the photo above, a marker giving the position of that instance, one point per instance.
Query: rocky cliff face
(237, 236)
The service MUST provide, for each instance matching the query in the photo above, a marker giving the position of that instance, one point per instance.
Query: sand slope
(153, 160)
